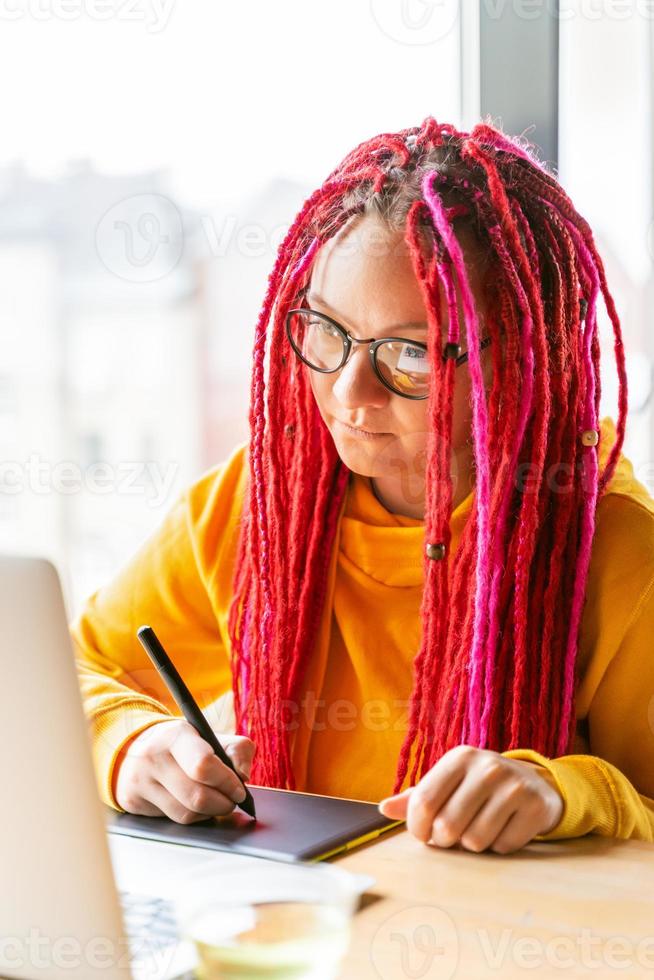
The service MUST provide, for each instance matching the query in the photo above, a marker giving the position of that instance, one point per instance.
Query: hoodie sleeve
(612, 793)
(171, 583)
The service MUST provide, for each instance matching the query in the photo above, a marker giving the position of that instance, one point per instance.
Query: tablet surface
(290, 826)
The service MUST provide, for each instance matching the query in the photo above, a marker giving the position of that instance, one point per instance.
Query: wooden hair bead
(590, 437)
(289, 430)
(435, 551)
(451, 351)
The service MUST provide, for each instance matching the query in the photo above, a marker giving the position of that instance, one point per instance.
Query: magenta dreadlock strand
(524, 409)
(480, 428)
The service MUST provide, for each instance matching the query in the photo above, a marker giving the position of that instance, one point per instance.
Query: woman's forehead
(354, 288)
(368, 238)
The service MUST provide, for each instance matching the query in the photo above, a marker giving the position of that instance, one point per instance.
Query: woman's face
(363, 278)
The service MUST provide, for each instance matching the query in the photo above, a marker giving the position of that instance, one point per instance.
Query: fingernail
(239, 794)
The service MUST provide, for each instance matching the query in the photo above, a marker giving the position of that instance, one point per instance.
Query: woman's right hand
(168, 769)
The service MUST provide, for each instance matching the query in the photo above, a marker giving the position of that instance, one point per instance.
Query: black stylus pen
(188, 705)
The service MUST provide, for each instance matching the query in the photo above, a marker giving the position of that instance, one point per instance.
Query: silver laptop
(61, 915)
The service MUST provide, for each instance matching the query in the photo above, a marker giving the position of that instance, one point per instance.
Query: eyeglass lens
(403, 366)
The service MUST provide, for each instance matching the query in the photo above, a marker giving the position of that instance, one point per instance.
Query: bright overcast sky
(221, 93)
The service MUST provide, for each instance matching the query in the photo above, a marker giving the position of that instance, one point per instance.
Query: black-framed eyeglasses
(400, 364)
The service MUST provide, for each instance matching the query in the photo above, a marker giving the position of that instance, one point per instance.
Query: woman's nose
(357, 383)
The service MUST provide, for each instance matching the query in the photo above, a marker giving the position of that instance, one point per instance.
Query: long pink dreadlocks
(500, 617)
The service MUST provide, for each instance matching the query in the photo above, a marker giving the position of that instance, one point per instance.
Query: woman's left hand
(481, 799)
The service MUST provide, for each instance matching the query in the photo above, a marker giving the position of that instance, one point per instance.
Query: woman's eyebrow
(417, 325)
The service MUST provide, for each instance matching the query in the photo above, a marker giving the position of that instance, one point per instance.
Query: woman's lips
(360, 433)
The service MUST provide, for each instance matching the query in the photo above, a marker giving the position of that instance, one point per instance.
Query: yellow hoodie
(352, 718)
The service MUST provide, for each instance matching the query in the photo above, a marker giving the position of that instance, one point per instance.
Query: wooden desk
(587, 903)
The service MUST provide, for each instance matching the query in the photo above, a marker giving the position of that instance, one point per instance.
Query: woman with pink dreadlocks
(427, 578)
